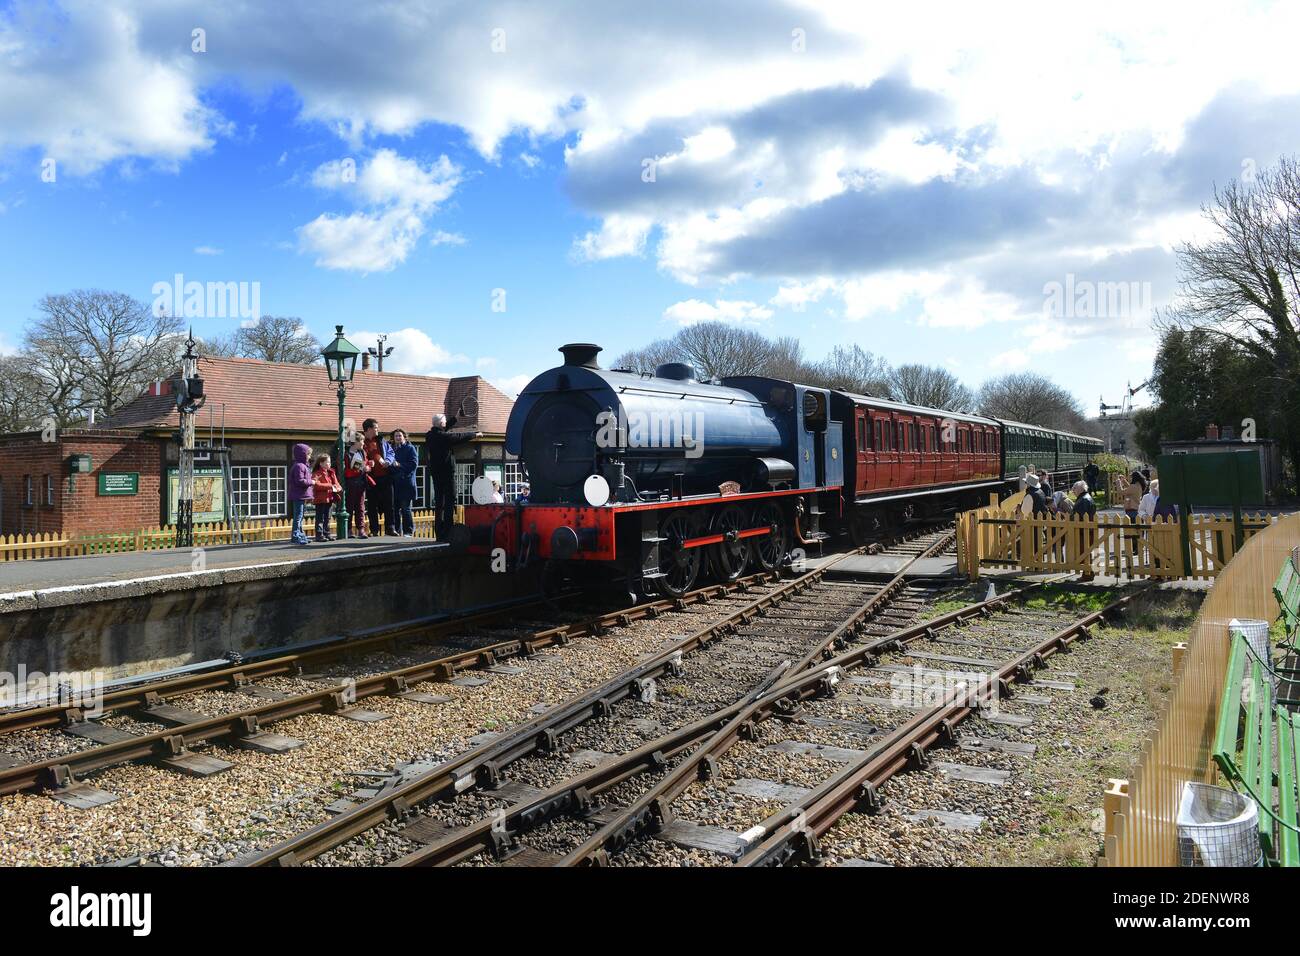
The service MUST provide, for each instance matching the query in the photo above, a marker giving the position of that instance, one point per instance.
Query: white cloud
(399, 195)
(81, 87)
(441, 238)
(486, 361)
(512, 385)
(617, 236)
(691, 311)
(362, 242)
(207, 251)
(413, 351)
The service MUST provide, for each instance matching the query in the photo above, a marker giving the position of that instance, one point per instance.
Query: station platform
(108, 617)
(50, 573)
(887, 565)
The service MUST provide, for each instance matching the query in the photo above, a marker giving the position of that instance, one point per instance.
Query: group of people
(1140, 497)
(379, 480)
(1041, 499)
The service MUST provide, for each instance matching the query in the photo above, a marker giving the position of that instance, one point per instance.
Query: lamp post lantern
(340, 364)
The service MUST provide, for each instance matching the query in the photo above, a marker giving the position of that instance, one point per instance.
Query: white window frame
(49, 491)
(513, 480)
(466, 472)
(421, 488)
(27, 491)
(267, 481)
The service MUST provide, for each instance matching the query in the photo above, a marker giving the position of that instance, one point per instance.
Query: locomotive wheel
(680, 566)
(769, 550)
(731, 556)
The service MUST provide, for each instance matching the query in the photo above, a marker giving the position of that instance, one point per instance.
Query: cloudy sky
(991, 187)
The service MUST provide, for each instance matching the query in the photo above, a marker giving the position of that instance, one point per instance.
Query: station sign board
(119, 482)
(209, 494)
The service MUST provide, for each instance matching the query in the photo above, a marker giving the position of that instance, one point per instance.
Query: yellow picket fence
(1108, 544)
(25, 547)
(1144, 831)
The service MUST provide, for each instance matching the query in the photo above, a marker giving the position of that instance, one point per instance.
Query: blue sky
(817, 172)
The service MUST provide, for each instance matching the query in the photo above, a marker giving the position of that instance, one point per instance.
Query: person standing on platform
(299, 490)
(325, 489)
(1035, 488)
(356, 478)
(1131, 493)
(438, 446)
(403, 474)
(1084, 507)
(379, 453)
(1091, 475)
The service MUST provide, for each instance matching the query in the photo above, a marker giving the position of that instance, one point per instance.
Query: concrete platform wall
(123, 628)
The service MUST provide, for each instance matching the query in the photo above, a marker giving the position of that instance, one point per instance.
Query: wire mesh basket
(1217, 827)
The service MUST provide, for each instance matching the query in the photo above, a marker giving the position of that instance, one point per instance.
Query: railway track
(718, 794)
(146, 727)
(464, 643)
(805, 618)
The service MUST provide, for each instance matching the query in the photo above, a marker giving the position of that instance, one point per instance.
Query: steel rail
(63, 770)
(225, 677)
(481, 766)
(363, 641)
(735, 721)
(790, 835)
(652, 810)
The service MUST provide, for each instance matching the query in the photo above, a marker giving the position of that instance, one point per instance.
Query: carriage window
(862, 434)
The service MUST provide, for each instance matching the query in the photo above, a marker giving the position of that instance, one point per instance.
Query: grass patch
(1081, 747)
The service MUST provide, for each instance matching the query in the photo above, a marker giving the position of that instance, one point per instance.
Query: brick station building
(259, 410)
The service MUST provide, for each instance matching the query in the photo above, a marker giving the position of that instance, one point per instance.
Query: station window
(465, 474)
(420, 490)
(27, 491)
(514, 480)
(259, 491)
(49, 491)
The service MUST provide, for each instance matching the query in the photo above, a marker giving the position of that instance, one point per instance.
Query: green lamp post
(340, 364)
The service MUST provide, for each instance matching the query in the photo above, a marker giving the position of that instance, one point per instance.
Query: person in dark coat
(1084, 507)
(438, 446)
(403, 474)
(379, 453)
(1091, 473)
(1034, 487)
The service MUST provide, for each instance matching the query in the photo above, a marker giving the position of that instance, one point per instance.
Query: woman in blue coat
(408, 461)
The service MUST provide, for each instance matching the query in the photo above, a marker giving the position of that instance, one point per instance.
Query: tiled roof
(266, 396)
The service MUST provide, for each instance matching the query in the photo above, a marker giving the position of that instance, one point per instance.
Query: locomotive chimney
(679, 371)
(581, 353)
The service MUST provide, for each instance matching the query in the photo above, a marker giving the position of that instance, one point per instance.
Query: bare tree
(276, 338)
(852, 369)
(718, 349)
(22, 395)
(647, 359)
(49, 375)
(113, 343)
(931, 386)
(1032, 399)
(1243, 286)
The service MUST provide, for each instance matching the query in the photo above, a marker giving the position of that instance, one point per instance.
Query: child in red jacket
(325, 490)
(356, 474)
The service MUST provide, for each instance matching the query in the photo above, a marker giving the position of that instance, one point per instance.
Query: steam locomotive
(655, 480)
